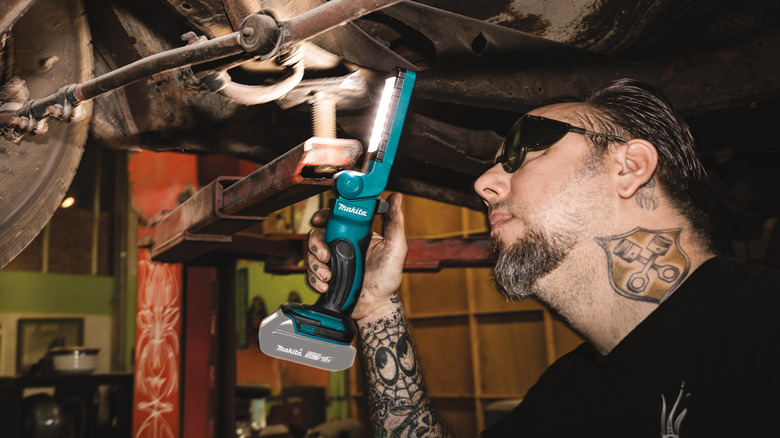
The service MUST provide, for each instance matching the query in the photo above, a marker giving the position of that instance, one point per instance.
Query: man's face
(542, 210)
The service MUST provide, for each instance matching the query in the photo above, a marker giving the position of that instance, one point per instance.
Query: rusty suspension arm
(258, 36)
(207, 220)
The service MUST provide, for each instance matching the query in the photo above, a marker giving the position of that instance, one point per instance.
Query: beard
(522, 264)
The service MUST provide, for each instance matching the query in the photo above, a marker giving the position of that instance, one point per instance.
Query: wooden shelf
(479, 314)
(453, 396)
(417, 317)
(496, 397)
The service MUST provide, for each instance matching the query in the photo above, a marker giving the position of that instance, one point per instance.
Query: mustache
(501, 206)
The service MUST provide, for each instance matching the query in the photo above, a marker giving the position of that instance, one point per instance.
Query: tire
(36, 173)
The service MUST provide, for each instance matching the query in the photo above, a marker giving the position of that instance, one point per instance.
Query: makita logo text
(293, 351)
(353, 210)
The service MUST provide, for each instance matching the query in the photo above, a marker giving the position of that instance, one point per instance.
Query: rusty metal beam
(284, 181)
(229, 204)
(284, 253)
(423, 255)
(435, 254)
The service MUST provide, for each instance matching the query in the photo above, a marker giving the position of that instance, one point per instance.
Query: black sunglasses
(534, 133)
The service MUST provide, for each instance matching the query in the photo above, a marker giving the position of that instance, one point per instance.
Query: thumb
(320, 218)
(394, 219)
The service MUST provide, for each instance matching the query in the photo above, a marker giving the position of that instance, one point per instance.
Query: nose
(493, 185)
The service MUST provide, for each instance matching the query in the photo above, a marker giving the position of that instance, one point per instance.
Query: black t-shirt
(705, 363)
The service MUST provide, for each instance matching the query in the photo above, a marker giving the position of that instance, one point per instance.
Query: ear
(636, 163)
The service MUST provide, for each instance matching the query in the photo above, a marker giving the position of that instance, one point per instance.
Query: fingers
(318, 249)
(318, 284)
(317, 258)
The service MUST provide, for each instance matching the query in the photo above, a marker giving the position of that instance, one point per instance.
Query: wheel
(48, 47)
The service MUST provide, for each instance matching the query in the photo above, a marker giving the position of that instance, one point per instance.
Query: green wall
(32, 292)
(275, 288)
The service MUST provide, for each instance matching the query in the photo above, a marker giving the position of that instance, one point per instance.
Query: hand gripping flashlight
(320, 334)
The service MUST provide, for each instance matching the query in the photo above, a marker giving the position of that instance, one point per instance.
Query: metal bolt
(47, 63)
(323, 115)
(248, 31)
(190, 37)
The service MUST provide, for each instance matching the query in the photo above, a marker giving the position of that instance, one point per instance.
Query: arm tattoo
(646, 265)
(399, 404)
(645, 196)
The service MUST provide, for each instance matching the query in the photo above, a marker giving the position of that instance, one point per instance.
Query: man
(591, 212)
